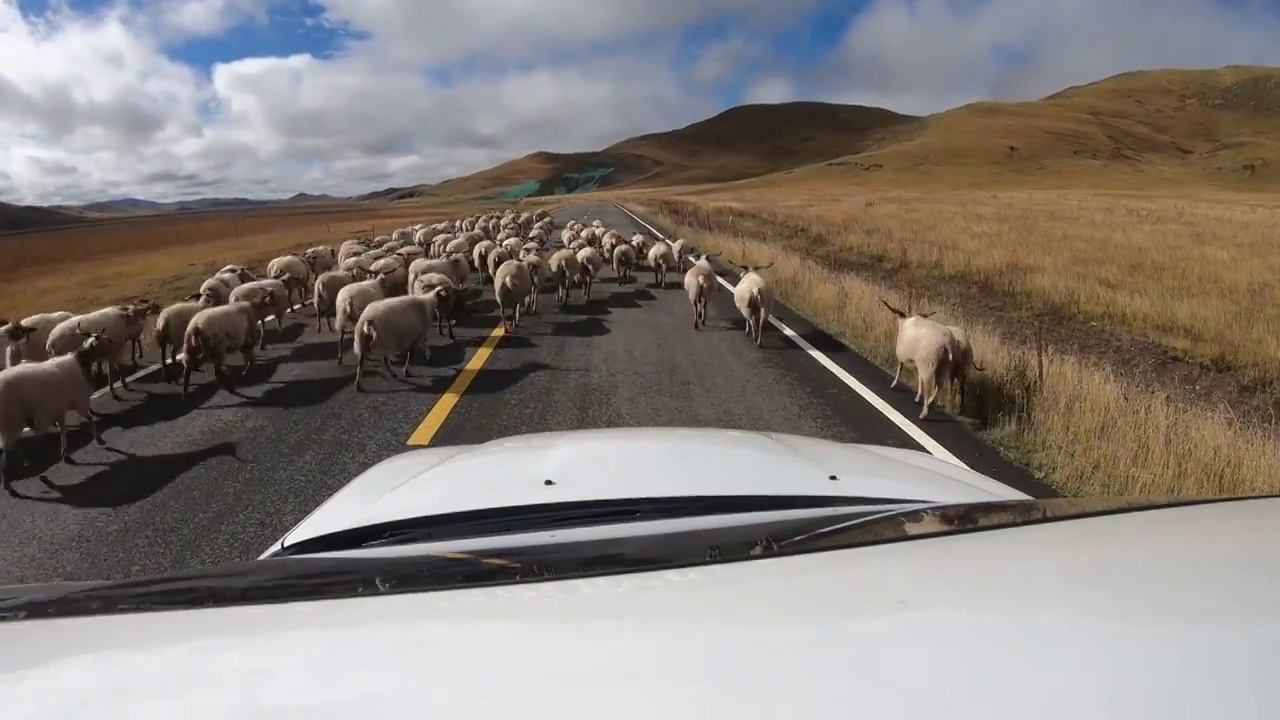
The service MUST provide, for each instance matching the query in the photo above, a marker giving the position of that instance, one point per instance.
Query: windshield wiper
(557, 516)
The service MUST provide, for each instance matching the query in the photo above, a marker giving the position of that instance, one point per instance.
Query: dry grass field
(164, 257)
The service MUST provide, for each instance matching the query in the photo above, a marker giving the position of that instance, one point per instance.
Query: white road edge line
(925, 440)
(154, 368)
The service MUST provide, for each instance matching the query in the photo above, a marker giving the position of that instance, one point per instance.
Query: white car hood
(1161, 614)
(620, 463)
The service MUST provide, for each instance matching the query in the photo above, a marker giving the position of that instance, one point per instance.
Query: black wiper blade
(554, 516)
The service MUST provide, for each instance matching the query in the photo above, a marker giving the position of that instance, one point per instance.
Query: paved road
(219, 477)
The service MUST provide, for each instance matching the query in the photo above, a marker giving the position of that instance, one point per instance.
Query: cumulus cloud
(115, 102)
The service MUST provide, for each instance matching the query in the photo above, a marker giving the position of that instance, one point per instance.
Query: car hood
(1166, 613)
(623, 463)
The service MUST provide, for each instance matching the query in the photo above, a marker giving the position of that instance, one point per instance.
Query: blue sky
(179, 98)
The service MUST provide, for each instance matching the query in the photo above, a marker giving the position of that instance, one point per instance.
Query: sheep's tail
(195, 343)
(365, 337)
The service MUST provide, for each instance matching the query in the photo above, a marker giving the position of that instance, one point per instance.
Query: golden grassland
(1190, 272)
(165, 257)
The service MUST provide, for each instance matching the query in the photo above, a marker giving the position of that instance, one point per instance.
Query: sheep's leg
(515, 317)
(279, 323)
(250, 357)
(359, 374)
(930, 391)
(124, 382)
(342, 335)
(960, 385)
(7, 455)
(386, 363)
(408, 358)
(897, 374)
(63, 453)
(111, 388)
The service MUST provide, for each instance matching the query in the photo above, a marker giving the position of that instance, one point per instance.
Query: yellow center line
(432, 423)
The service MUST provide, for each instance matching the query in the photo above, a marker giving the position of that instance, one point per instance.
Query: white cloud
(92, 106)
(924, 56)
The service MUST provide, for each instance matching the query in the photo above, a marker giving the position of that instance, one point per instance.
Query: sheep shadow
(595, 307)
(447, 354)
(158, 407)
(319, 349)
(622, 300)
(495, 380)
(582, 328)
(259, 373)
(642, 295)
(292, 332)
(425, 379)
(300, 393)
(131, 479)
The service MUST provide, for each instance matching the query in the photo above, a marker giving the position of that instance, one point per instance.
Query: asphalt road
(220, 476)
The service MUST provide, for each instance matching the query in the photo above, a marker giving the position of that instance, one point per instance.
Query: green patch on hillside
(565, 184)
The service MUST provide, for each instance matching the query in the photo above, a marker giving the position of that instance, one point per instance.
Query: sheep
(133, 333)
(27, 337)
(395, 271)
(454, 267)
(294, 273)
(324, 297)
(564, 267)
(537, 271)
(624, 259)
(117, 322)
(661, 259)
(279, 303)
(495, 259)
(699, 283)
(41, 393)
(589, 265)
(320, 259)
(929, 346)
(396, 325)
(352, 300)
(170, 327)
(964, 360)
(679, 248)
(215, 332)
(242, 274)
(217, 289)
(359, 266)
(754, 297)
(512, 285)
(450, 304)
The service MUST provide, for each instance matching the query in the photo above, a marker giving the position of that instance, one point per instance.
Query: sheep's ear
(192, 296)
(925, 315)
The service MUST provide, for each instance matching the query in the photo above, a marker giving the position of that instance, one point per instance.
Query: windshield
(300, 576)
(344, 282)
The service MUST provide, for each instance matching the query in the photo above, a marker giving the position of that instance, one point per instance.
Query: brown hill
(29, 217)
(1217, 128)
(742, 142)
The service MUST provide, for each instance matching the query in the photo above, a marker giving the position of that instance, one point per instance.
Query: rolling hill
(1216, 128)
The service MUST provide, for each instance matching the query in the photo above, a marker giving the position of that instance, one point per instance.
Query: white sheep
(453, 266)
(929, 346)
(40, 394)
(589, 266)
(754, 297)
(450, 304)
(242, 274)
(699, 283)
(563, 266)
(117, 322)
(512, 286)
(28, 337)
(320, 259)
(396, 325)
(352, 300)
(495, 258)
(270, 296)
(294, 273)
(216, 332)
(624, 260)
(324, 297)
(218, 288)
(359, 266)
(394, 269)
(170, 327)
(662, 260)
(963, 362)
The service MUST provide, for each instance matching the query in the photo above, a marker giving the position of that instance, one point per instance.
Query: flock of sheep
(389, 294)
